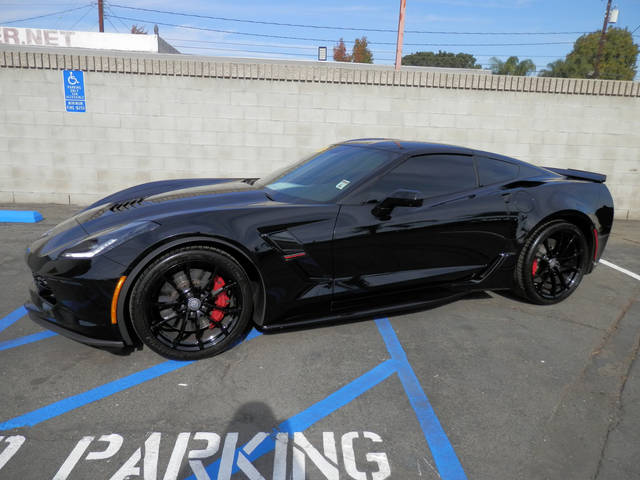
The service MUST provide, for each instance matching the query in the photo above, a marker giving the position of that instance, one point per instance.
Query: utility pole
(596, 66)
(403, 7)
(101, 15)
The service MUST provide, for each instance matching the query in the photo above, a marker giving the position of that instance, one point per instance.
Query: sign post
(74, 98)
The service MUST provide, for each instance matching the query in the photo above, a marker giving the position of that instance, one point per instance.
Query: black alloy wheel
(191, 303)
(552, 263)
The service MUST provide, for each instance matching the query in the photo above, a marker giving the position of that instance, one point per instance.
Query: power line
(325, 27)
(48, 14)
(314, 47)
(126, 29)
(264, 35)
(508, 55)
(241, 50)
(270, 52)
(299, 47)
(309, 55)
(89, 9)
(111, 23)
(291, 54)
(32, 4)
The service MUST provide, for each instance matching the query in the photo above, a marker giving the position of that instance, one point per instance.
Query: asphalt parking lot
(487, 387)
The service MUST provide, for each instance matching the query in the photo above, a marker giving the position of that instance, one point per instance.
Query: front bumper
(42, 318)
(74, 299)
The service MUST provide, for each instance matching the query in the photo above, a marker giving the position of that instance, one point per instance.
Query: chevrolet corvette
(362, 228)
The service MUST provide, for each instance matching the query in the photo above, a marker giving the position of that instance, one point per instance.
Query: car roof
(404, 146)
(416, 147)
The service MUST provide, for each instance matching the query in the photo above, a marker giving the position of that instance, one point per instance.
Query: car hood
(171, 198)
(153, 188)
(174, 198)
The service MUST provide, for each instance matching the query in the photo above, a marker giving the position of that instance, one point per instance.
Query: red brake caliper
(222, 300)
(534, 267)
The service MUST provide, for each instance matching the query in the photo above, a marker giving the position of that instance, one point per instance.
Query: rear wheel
(552, 263)
(191, 303)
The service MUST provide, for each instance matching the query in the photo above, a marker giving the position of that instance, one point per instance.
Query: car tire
(551, 263)
(191, 303)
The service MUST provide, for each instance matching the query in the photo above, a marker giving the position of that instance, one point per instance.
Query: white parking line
(620, 269)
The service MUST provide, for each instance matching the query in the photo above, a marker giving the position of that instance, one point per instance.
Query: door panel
(449, 238)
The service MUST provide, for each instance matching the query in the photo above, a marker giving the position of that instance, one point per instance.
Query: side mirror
(399, 198)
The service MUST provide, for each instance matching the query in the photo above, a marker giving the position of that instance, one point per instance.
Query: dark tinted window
(432, 175)
(495, 171)
(330, 172)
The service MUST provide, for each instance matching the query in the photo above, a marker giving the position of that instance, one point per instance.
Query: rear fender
(587, 205)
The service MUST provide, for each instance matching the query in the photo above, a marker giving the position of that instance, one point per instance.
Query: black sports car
(362, 228)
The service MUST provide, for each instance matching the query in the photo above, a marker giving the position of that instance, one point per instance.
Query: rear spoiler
(579, 174)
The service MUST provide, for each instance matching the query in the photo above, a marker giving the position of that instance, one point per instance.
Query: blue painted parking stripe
(317, 411)
(98, 393)
(16, 342)
(252, 334)
(13, 317)
(71, 403)
(20, 216)
(447, 462)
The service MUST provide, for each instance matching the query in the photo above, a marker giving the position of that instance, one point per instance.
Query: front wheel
(552, 263)
(191, 303)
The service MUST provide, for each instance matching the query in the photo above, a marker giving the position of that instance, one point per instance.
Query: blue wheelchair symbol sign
(74, 97)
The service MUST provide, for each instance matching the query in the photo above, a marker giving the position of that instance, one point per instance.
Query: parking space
(487, 387)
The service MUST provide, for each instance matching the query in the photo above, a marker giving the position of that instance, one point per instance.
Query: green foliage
(512, 66)
(618, 60)
(359, 54)
(441, 59)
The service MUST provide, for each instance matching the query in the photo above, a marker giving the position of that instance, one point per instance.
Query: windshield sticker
(342, 184)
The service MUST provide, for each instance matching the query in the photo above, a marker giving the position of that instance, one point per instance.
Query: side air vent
(121, 206)
(288, 245)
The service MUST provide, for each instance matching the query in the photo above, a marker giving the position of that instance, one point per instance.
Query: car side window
(431, 175)
(492, 171)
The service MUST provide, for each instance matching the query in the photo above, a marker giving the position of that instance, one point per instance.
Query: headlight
(107, 239)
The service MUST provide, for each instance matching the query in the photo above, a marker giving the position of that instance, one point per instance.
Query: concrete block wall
(218, 119)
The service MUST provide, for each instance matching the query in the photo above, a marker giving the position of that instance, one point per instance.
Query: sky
(469, 26)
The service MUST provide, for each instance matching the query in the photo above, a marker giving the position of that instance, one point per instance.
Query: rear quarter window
(491, 171)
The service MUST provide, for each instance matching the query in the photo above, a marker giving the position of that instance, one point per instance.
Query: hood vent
(122, 206)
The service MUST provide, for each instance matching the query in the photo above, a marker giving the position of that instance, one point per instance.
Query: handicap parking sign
(74, 97)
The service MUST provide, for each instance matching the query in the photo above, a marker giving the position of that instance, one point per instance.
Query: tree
(512, 66)
(361, 52)
(441, 59)
(340, 52)
(618, 61)
(138, 30)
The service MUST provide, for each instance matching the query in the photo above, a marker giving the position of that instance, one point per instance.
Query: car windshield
(328, 173)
